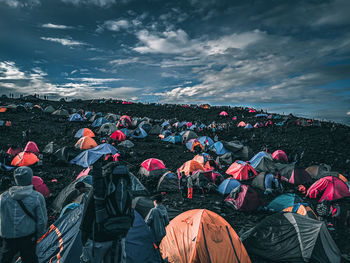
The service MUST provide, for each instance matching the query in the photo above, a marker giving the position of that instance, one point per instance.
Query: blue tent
(256, 159)
(281, 123)
(64, 245)
(139, 133)
(248, 126)
(166, 133)
(165, 123)
(206, 140)
(190, 143)
(126, 132)
(218, 148)
(2, 123)
(75, 117)
(262, 115)
(79, 133)
(173, 139)
(89, 157)
(283, 201)
(88, 114)
(228, 185)
(99, 122)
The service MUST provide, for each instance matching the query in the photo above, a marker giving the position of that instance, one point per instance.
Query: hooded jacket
(14, 222)
(157, 219)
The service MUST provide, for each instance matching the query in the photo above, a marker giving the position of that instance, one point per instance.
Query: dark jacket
(157, 219)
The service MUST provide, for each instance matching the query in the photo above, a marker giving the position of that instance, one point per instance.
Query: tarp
(292, 238)
(200, 235)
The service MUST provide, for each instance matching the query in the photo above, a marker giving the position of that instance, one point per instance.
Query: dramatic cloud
(64, 41)
(53, 26)
(114, 25)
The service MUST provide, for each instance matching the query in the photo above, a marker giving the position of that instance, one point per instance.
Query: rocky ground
(312, 145)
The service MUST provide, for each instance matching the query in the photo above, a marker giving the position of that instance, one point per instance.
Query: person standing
(190, 186)
(23, 218)
(157, 219)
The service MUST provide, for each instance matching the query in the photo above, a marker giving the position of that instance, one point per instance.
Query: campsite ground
(326, 144)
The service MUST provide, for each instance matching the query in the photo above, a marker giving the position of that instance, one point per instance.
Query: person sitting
(157, 219)
(272, 183)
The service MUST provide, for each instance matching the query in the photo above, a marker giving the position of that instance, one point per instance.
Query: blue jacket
(14, 222)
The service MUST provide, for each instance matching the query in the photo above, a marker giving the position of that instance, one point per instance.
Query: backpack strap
(26, 210)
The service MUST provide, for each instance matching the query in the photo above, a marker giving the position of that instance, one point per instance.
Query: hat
(23, 176)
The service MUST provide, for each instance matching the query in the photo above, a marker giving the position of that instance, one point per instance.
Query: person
(157, 219)
(108, 215)
(183, 184)
(272, 183)
(23, 218)
(190, 186)
(323, 210)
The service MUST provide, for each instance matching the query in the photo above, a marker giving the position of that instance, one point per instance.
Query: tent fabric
(13, 151)
(24, 159)
(200, 235)
(31, 147)
(49, 109)
(75, 117)
(292, 174)
(169, 182)
(226, 159)
(40, 186)
(66, 154)
(126, 144)
(124, 122)
(137, 187)
(328, 188)
(205, 140)
(139, 133)
(262, 162)
(280, 155)
(156, 129)
(248, 126)
(188, 135)
(227, 186)
(190, 167)
(142, 204)
(317, 170)
(99, 122)
(85, 143)
(223, 113)
(152, 167)
(301, 209)
(238, 149)
(118, 136)
(259, 181)
(246, 200)
(173, 139)
(218, 148)
(290, 237)
(283, 201)
(192, 144)
(84, 132)
(61, 112)
(241, 171)
(89, 157)
(107, 128)
(241, 124)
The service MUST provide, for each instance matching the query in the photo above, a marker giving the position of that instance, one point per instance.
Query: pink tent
(153, 164)
(189, 124)
(39, 186)
(31, 147)
(328, 188)
(280, 156)
(83, 173)
(223, 113)
(14, 151)
(234, 118)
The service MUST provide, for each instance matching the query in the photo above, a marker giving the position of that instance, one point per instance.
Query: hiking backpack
(113, 200)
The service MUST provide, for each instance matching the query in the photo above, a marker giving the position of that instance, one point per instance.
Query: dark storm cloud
(267, 53)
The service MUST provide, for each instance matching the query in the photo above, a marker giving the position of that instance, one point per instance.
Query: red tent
(280, 155)
(246, 200)
(24, 159)
(31, 147)
(223, 113)
(14, 151)
(241, 171)
(328, 188)
(39, 186)
(153, 164)
(118, 135)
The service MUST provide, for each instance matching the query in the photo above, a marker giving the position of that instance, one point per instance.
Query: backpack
(113, 200)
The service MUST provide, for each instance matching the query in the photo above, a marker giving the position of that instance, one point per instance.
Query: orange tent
(24, 159)
(241, 124)
(201, 235)
(3, 109)
(205, 161)
(302, 210)
(85, 143)
(190, 166)
(241, 171)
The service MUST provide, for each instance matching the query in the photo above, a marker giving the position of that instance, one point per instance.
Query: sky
(285, 56)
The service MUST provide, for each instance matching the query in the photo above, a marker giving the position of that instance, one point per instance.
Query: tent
(241, 124)
(190, 166)
(223, 113)
(85, 143)
(107, 128)
(152, 167)
(319, 171)
(75, 117)
(328, 188)
(218, 148)
(290, 237)
(292, 174)
(89, 157)
(238, 149)
(124, 122)
(283, 201)
(126, 144)
(137, 187)
(142, 204)
(49, 109)
(84, 132)
(205, 140)
(31, 147)
(228, 185)
(156, 129)
(188, 135)
(173, 139)
(194, 144)
(169, 182)
(166, 133)
(66, 154)
(301, 209)
(40, 186)
(259, 181)
(13, 150)
(262, 162)
(111, 117)
(280, 155)
(61, 112)
(62, 241)
(241, 171)
(139, 133)
(262, 115)
(226, 159)
(146, 126)
(24, 159)
(246, 200)
(126, 132)
(201, 235)
(118, 136)
(99, 122)
(248, 126)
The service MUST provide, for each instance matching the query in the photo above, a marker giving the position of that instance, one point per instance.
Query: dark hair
(79, 185)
